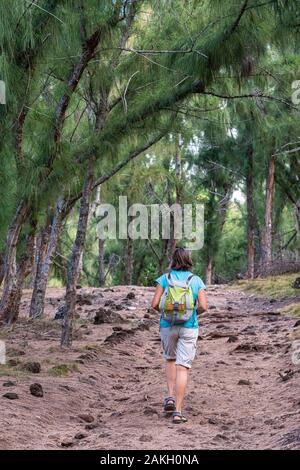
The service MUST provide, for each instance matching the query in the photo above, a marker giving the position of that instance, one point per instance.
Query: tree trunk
(250, 213)
(209, 271)
(36, 249)
(178, 189)
(216, 226)
(11, 312)
(129, 259)
(163, 256)
(1, 268)
(266, 258)
(101, 244)
(48, 246)
(72, 275)
(10, 280)
(139, 268)
(101, 252)
(297, 216)
(80, 268)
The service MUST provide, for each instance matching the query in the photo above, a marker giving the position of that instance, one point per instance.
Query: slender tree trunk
(164, 256)
(128, 273)
(266, 259)
(37, 242)
(80, 268)
(48, 246)
(209, 271)
(216, 231)
(139, 269)
(1, 268)
(72, 275)
(250, 213)
(178, 200)
(101, 243)
(297, 216)
(10, 280)
(41, 250)
(101, 251)
(11, 313)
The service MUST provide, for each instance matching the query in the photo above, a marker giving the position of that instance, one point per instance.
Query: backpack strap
(188, 281)
(170, 280)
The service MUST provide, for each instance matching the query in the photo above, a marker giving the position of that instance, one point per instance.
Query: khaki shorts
(179, 344)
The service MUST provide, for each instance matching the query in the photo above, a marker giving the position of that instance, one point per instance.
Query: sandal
(178, 418)
(169, 404)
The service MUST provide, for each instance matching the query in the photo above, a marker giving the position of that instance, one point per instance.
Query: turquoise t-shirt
(196, 285)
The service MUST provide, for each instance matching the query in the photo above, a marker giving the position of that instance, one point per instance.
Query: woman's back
(196, 284)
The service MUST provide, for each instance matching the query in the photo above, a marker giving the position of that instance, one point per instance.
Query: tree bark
(36, 249)
(266, 247)
(178, 199)
(47, 249)
(216, 230)
(72, 275)
(10, 280)
(128, 273)
(139, 269)
(209, 271)
(1, 268)
(101, 243)
(250, 213)
(297, 216)
(12, 306)
(101, 252)
(164, 256)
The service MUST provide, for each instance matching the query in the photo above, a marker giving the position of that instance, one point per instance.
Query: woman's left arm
(202, 305)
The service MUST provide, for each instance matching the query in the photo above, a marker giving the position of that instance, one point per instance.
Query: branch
(237, 21)
(130, 157)
(76, 74)
(155, 52)
(153, 249)
(119, 166)
(250, 95)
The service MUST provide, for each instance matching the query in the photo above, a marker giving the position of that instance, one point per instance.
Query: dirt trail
(112, 395)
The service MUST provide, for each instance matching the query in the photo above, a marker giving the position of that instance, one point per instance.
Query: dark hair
(181, 260)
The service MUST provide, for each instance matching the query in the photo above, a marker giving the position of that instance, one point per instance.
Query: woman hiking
(179, 296)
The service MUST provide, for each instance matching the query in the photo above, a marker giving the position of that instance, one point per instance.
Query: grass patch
(5, 331)
(292, 310)
(6, 370)
(94, 347)
(295, 335)
(54, 282)
(43, 324)
(275, 287)
(62, 370)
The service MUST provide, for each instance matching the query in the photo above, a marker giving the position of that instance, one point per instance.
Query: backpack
(177, 302)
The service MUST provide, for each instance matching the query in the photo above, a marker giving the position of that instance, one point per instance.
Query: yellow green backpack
(177, 302)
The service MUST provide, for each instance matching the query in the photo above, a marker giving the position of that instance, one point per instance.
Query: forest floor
(106, 392)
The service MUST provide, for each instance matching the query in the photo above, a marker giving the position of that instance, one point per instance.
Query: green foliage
(194, 69)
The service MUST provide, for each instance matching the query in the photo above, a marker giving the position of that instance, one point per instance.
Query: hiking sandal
(169, 404)
(178, 418)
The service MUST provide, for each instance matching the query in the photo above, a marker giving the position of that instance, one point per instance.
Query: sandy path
(113, 398)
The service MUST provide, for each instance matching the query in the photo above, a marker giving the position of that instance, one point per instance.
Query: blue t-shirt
(196, 285)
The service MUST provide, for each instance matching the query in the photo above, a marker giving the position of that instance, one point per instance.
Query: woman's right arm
(157, 296)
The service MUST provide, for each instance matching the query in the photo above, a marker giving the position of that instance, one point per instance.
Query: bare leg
(171, 376)
(181, 383)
